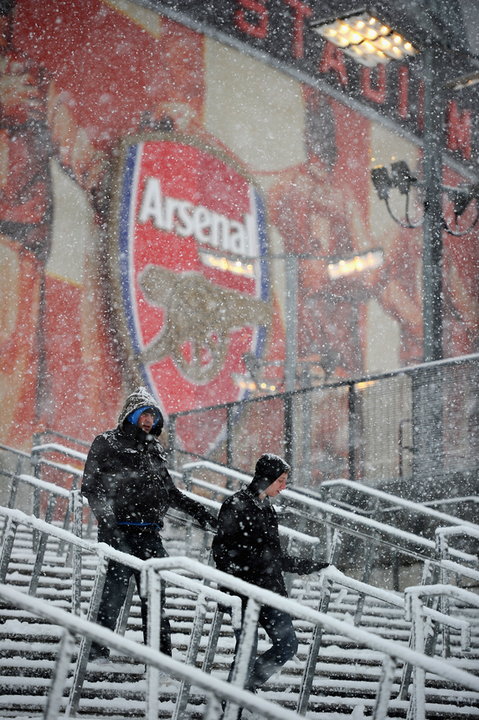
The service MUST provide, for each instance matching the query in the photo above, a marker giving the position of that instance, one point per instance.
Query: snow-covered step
(346, 676)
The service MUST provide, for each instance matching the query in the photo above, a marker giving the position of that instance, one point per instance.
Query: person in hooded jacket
(129, 491)
(247, 545)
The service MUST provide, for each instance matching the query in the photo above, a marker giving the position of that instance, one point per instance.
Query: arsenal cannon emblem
(188, 270)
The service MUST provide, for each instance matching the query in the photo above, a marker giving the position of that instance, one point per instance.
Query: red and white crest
(190, 269)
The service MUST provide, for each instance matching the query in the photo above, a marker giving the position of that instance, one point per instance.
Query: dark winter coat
(247, 542)
(126, 479)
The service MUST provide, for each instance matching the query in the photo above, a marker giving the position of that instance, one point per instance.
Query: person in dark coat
(129, 491)
(247, 545)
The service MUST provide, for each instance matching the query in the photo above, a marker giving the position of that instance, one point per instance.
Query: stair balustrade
(172, 571)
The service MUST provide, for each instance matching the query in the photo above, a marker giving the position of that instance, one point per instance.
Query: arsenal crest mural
(186, 257)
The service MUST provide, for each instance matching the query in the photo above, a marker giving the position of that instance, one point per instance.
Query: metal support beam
(433, 223)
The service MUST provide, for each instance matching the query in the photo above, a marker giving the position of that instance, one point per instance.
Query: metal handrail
(57, 447)
(453, 500)
(257, 596)
(415, 612)
(332, 576)
(331, 515)
(105, 553)
(390, 649)
(155, 660)
(372, 526)
(329, 511)
(15, 451)
(418, 508)
(443, 551)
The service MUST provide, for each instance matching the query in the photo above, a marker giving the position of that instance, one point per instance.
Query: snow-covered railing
(330, 577)
(242, 478)
(453, 500)
(154, 570)
(73, 513)
(444, 533)
(444, 552)
(19, 459)
(105, 553)
(37, 450)
(156, 661)
(74, 473)
(151, 589)
(418, 508)
(415, 613)
(229, 473)
(52, 491)
(330, 515)
(41, 529)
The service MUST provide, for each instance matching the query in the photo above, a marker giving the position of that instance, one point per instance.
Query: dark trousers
(144, 543)
(279, 628)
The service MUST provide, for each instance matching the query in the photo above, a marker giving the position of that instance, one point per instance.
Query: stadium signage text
(281, 32)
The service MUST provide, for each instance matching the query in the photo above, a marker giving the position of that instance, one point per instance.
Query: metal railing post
(242, 663)
(151, 588)
(12, 499)
(383, 694)
(289, 437)
(85, 645)
(414, 613)
(191, 655)
(351, 431)
(7, 547)
(213, 637)
(122, 622)
(229, 436)
(370, 553)
(314, 648)
(60, 673)
(41, 547)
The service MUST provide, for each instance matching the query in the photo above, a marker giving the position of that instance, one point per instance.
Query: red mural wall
(78, 77)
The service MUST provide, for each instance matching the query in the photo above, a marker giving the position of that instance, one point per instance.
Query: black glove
(317, 566)
(207, 518)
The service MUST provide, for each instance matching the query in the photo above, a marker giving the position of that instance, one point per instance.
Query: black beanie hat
(268, 469)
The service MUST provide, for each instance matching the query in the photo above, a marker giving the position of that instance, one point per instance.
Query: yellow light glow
(359, 263)
(365, 384)
(371, 34)
(245, 383)
(226, 264)
(383, 43)
(366, 38)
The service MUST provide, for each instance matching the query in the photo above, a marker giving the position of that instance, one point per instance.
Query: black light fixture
(401, 179)
(380, 31)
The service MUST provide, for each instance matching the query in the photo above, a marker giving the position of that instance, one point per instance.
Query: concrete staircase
(346, 675)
